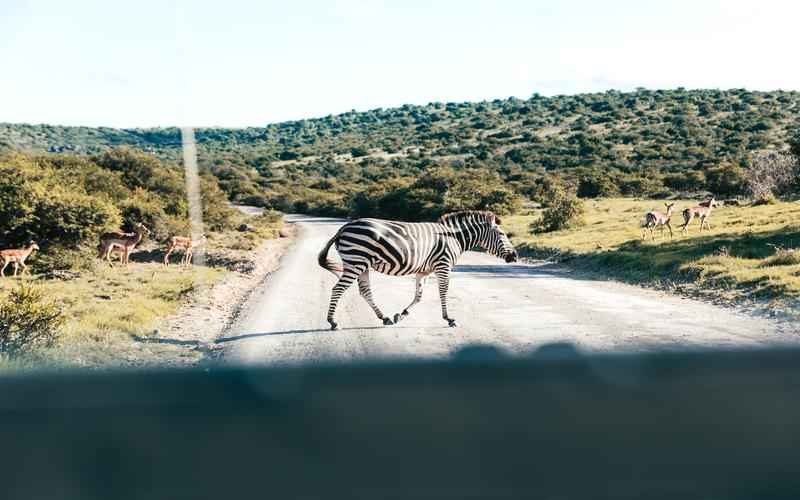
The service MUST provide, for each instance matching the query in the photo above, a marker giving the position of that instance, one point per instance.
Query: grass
(107, 308)
(747, 254)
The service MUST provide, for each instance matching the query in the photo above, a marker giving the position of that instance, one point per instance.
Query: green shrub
(564, 211)
(436, 192)
(217, 214)
(147, 208)
(596, 185)
(62, 257)
(37, 204)
(690, 180)
(27, 321)
(726, 180)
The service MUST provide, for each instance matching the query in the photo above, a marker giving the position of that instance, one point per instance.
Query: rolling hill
(634, 143)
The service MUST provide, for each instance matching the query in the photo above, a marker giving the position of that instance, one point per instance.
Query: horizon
(318, 117)
(250, 65)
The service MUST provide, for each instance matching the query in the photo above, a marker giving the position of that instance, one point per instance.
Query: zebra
(404, 248)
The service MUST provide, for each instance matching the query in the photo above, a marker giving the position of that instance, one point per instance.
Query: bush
(690, 180)
(147, 208)
(217, 214)
(597, 185)
(140, 170)
(770, 173)
(38, 204)
(564, 211)
(726, 180)
(27, 322)
(436, 192)
(61, 257)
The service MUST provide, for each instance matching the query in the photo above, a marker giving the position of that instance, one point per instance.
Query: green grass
(106, 308)
(747, 254)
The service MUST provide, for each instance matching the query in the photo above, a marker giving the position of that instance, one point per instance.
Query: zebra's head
(483, 230)
(498, 244)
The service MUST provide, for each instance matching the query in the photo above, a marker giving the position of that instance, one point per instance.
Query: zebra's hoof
(452, 323)
(388, 321)
(334, 326)
(397, 318)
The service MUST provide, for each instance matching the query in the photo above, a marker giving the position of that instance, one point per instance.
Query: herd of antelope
(655, 219)
(115, 242)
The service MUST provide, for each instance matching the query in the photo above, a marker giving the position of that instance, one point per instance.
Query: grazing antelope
(17, 256)
(404, 249)
(186, 244)
(702, 211)
(657, 219)
(116, 241)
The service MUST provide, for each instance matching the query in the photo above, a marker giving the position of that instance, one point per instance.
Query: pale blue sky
(248, 63)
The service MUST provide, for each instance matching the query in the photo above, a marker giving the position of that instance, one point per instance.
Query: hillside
(638, 143)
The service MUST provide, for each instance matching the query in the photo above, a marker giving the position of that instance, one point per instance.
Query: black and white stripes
(404, 248)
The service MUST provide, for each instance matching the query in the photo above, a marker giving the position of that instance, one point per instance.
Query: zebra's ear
(497, 220)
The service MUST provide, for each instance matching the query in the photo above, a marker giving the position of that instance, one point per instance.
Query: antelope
(702, 211)
(116, 241)
(657, 219)
(17, 256)
(185, 243)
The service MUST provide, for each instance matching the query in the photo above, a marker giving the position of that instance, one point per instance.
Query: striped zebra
(404, 248)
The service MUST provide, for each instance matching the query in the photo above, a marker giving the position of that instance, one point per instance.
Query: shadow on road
(513, 271)
(293, 332)
(158, 340)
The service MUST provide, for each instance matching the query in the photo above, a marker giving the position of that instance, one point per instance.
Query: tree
(770, 172)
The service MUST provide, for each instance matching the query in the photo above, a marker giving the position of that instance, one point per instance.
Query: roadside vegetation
(74, 309)
(750, 251)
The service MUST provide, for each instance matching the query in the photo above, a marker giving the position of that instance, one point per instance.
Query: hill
(647, 142)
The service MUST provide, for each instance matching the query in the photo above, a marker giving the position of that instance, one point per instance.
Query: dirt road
(514, 307)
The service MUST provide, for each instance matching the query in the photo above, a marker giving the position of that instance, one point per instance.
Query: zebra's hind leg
(349, 275)
(443, 276)
(417, 297)
(366, 292)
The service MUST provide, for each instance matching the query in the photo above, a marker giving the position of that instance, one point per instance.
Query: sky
(240, 63)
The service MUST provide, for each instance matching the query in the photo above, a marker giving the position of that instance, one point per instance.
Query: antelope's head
(141, 228)
(33, 246)
(669, 206)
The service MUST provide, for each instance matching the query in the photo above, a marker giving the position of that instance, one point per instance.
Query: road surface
(514, 307)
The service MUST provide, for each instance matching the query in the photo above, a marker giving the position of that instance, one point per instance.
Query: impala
(116, 241)
(186, 244)
(656, 219)
(702, 211)
(17, 256)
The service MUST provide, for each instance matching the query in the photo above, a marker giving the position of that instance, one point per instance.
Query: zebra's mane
(458, 217)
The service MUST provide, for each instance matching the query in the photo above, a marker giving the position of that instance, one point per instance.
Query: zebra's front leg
(349, 275)
(417, 297)
(443, 276)
(366, 292)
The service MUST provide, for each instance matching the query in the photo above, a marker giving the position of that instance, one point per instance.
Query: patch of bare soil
(210, 310)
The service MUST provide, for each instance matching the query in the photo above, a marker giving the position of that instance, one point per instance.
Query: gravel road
(515, 307)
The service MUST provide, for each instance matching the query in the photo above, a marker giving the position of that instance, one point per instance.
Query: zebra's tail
(327, 263)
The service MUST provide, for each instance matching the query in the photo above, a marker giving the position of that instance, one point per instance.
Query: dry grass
(748, 253)
(107, 308)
